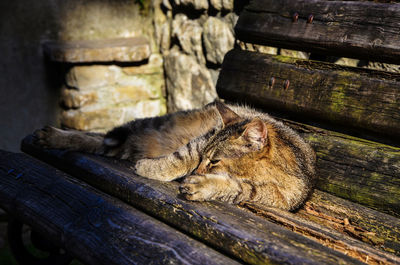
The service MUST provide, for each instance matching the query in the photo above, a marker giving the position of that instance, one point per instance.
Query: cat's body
(226, 152)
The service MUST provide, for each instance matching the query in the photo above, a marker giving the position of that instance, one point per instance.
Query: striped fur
(225, 152)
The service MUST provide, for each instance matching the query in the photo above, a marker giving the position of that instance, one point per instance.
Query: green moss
(284, 59)
(337, 100)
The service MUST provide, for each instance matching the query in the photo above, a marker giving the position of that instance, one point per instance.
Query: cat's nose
(201, 169)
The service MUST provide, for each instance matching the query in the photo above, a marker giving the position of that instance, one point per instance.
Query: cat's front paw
(153, 169)
(198, 188)
(48, 137)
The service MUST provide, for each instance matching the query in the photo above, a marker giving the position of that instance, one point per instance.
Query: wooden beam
(376, 228)
(359, 170)
(344, 217)
(357, 98)
(356, 29)
(92, 226)
(322, 233)
(242, 235)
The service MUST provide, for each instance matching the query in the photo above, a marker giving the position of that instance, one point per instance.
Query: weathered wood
(356, 29)
(358, 221)
(87, 51)
(324, 235)
(247, 237)
(352, 168)
(354, 220)
(352, 97)
(93, 226)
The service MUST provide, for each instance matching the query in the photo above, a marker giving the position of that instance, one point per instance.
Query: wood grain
(244, 236)
(376, 228)
(362, 171)
(356, 29)
(362, 99)
(327, 235)
(92, 226)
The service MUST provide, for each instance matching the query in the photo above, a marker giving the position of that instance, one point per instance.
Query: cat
(225, 152)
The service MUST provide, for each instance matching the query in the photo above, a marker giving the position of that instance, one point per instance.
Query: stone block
(160, 17)
(87, 77)
(86, 51)
(189, 34)
(154, 66)
(136, 88)
(72, 98)
(195, 4)
(104, 118)
(189, 84)
(347, 62)
(167, 4)
(222, 4)
(231, 19)
(294, 54)
(165, 39)
(214, 75)
(218, 39)
(257, 48)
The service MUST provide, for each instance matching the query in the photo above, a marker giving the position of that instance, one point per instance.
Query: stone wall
(108, 82)
(100, 97)
(30, 85)
(188, 40)
(193, 37)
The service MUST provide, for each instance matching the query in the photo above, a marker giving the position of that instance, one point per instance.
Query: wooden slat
(356, 29)
(326, 236)
(359, 170)
(362, 171)
(92, 226)
(355, 98)
(363, 223)
(242, 235)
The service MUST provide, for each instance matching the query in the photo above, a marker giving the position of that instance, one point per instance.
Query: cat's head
(236, 142)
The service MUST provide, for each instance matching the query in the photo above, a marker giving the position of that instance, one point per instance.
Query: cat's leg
(224, 188)
(211, 187)
(175, 165)
(50, 137)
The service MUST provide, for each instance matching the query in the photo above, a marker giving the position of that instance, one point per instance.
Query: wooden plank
(352, 97)
(92, 226)
(242, 235)
(326, 236)
(108, 50)
(356, 29)
(378, 229)
(359, 170)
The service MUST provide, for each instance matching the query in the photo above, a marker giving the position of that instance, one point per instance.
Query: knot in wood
(310, 19)
(286, 84)
(271, 81)
(295, 17)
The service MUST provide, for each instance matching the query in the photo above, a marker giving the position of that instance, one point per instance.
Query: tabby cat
(227, 153)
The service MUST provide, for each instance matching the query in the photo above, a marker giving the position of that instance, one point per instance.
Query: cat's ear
(256, 132)
(228, 116)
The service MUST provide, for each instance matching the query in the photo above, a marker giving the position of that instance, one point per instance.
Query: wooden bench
(100, 212)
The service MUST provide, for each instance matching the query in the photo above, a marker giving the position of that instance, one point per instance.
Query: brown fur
(228, 153)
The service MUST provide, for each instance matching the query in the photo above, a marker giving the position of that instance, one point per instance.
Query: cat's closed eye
(214, 161)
